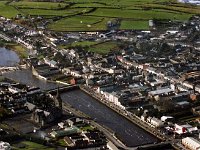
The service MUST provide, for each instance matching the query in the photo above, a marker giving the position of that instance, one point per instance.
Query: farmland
(93, 15)
(7, 11)
(94, 46)
(80, 23)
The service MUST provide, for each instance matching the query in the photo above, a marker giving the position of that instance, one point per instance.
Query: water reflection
(26, 77)
(8, 58)
(130, 134)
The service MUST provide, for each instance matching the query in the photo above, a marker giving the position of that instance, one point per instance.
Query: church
(44, 116)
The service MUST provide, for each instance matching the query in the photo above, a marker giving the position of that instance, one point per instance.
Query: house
(156, 122)
(4, 146)
(51, 63)
(191, 143)
(167, 118)
(160, 92)
(182, 129)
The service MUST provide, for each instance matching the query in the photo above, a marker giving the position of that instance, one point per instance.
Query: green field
(38, 5)
(27, 145)
(93, 15)
(7, 11)
(140, 14)
(94, 46)
(104, 48)
(138, 25)
(80, 23)
(49, 12)
(84, 43)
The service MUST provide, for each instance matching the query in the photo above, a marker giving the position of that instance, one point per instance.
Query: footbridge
(62, 89)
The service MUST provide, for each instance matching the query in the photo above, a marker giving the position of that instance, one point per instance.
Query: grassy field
(7, 11)
(140, 14)
(19, 49)
(84, 43)
(92, 15)
(39, 5)
(49, 12)
(80, 23)
(103, 48)
(138, 25)
(27, 145)
(94, 46)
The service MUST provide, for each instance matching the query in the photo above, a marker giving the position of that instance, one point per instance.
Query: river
(8, 58)
(26, 77)
(129, 134)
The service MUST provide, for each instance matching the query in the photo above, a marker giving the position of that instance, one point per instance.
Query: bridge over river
(130, 134)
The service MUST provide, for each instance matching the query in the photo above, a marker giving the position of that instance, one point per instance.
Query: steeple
(59, 99)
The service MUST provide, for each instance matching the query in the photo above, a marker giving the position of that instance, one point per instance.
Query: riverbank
(130, 134)
(19, 49)
(109, 134)
(129, 116)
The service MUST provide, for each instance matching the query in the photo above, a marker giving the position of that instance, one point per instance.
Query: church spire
(59, 99)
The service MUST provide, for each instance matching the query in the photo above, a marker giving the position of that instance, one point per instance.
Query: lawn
(87, 127)
(27, 145)
(61, 142)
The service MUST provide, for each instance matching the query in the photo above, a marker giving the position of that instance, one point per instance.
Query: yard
(27, 145)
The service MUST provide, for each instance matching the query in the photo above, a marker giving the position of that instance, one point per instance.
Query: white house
(191, 143)
(156, 122)
(4, 146)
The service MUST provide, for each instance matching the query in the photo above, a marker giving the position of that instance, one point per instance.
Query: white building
(4, 146)
(156, 122)
(51, 63)
(165, 118)
(181, 129)
(191, 143)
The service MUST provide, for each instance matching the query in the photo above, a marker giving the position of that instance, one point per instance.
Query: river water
(8, 58)
(128, 133)
(26, 77)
